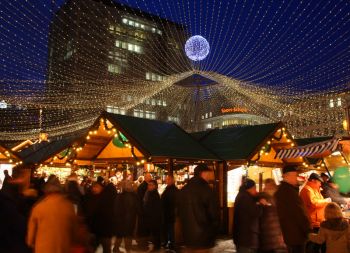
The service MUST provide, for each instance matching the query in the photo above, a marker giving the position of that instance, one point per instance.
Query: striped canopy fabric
(310, 150)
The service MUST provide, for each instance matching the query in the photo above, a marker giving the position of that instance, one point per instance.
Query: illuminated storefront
(231, 117)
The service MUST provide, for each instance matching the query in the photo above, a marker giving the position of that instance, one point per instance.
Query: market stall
(7, 161)
(116, 146)
(140, 145)
(247, 151)
(324, 154)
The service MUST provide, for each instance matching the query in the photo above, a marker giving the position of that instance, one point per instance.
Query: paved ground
(223, 245)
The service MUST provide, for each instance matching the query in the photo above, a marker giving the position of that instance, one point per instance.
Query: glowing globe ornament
(197, 48)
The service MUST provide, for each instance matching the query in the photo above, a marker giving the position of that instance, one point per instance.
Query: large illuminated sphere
(197, 48)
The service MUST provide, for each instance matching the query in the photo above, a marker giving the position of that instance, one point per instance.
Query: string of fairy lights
(72, 59)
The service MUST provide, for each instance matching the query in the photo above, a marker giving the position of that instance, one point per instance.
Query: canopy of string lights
(64, 61)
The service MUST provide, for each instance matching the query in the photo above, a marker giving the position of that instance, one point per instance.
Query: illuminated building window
(150, 115)
(136, 113)
(331, 103)
(129, 46)
(3, 104)
(118, 57)
(134, 23)
(173, 119)
(114, 68)
(338, 101)
(69, 51)
(116, 110)
(139, 35)
(154, 77)
(116, 29)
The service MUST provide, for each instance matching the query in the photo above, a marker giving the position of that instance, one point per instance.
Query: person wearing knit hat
(246, 218)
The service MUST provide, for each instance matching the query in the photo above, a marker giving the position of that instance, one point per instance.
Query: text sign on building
(234, 109)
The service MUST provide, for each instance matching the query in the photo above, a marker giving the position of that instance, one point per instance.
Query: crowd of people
(80, 217)
(284, 219)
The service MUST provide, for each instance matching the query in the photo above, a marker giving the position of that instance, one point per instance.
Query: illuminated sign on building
(234, 109)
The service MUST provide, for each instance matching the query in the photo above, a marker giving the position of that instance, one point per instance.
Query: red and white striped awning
(316, 148)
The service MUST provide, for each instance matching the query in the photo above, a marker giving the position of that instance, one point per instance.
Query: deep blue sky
(298, 45)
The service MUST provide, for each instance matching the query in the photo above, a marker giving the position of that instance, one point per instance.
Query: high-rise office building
(102, 48)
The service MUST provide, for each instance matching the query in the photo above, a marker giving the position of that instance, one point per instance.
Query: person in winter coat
(7, 181)
(334, 231)
(141, 226)
(313, 199)
(152, 208)
(127, 210)
(100, 214)
(246, 218)
(199, 211)
(73, 193)
(52, 223)
(315, 204)
(169, 211)
(13, 226)
(271, 238)
(294, 221)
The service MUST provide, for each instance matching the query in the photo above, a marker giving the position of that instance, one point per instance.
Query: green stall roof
(238, 142)
(160, 139)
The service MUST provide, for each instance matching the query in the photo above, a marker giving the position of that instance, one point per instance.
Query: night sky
(301, 45)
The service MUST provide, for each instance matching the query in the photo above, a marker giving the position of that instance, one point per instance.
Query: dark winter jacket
(12, 226)
(246, 220)
(199, 214)
(74, 194)
(141, 190)
(152, 208)
(127, 209)
(293, 217)
(169, 203)
(271, 237)
(335, 233)
(101, 212)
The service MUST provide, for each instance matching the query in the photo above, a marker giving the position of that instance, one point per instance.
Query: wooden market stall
(7, 161)
(116, 143)
(140, 144)
(247, 151)
(50, 157)
(324, 154)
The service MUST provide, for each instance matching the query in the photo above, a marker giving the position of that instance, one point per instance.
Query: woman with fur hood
(334, 231)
